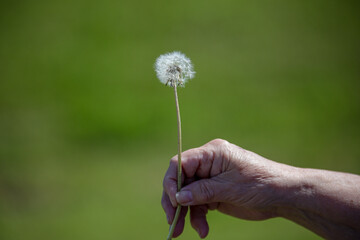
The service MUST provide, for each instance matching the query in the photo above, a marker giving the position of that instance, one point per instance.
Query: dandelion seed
(174, 68)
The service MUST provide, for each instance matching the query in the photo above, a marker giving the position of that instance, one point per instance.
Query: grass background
(86, 129)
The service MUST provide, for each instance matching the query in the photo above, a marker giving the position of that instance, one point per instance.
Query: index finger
(196, 161)
(170, 181)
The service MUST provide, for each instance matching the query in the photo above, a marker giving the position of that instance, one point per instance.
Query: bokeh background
(87, 131)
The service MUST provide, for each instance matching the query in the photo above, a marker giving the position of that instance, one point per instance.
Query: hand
(222, 176)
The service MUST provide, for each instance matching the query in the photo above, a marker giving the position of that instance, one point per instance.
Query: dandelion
(174, 69)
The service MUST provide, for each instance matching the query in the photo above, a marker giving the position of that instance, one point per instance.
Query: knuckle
(205, 155)
(219, 142)
(206, 191)
(173, 159)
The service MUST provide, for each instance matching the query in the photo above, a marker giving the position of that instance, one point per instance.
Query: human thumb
(200, 192)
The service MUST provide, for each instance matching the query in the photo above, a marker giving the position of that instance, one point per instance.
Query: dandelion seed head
(174, 68)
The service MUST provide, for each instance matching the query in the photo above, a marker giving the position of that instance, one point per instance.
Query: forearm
(325, 202)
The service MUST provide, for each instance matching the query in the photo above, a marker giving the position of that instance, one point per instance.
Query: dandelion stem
(178, 209)
(179, 139)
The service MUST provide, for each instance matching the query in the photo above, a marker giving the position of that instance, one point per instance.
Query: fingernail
(184, 197)
(173, 203)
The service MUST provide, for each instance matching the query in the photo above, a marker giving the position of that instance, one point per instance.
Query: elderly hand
(222, 176)
(240, 183)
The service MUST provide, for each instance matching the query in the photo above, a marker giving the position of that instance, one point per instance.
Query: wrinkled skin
(225, 177)
(240, 183)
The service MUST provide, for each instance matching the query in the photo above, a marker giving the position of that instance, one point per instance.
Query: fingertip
(170, 182)
(181, 222)
(198, 220)
(179, 228)
(204, 229)
(184, 197)
(168, 208)
(173, 201)
(171, 191)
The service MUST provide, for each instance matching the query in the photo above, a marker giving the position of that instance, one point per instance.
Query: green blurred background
(87, 131)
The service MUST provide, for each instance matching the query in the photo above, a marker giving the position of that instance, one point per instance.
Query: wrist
(279, 184)
(291, 191)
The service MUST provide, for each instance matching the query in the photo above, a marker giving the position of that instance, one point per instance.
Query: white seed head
(174, 68)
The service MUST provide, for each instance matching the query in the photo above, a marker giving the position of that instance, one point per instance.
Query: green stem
(179, 140)
(178, 209)
(173, 225)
